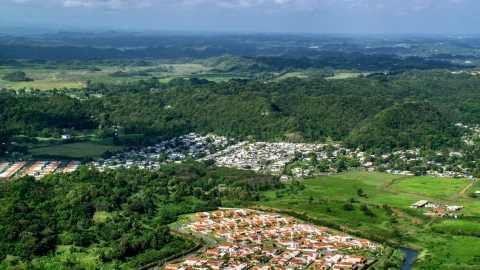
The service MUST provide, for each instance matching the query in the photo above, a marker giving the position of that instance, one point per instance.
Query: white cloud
(111, 4)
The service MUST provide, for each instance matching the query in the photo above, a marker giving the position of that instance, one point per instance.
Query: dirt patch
(463, 190)
(295, 136)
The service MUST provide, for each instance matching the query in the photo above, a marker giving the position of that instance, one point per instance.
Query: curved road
(211, 243)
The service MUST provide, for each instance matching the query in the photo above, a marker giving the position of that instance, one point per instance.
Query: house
(354, 259)
(285, 178)
(419, 204)
(173, 266)
(215, 265)
(195, 261)
(289, 244)
(214, 253)
(454, 207)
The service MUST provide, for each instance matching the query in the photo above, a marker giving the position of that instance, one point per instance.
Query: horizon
(363, 17)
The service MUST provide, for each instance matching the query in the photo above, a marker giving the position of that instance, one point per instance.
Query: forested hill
(117, 215)
(276, 59)
(385, 111)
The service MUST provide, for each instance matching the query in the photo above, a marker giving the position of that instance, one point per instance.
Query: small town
(288, 160)
(250, 239)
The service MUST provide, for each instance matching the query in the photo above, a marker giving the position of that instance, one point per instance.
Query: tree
(360, 192)
(17, 76)
(348, 207)
(116, 141)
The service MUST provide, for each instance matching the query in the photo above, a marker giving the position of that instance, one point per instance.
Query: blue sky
(293, 16)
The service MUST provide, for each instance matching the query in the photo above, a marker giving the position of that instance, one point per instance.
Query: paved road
(211, 243)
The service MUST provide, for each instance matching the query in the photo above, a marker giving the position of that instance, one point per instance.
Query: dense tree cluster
(17, 76)
(67, 209)
(384, 111)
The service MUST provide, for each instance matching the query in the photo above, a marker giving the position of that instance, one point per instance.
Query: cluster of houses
(38, 169)
(264, 241)
(9, 169)
(42, 168)
(176, 150)
(437, 208)
(264, 157)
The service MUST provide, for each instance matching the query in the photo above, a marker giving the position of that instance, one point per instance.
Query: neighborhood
(255, 240)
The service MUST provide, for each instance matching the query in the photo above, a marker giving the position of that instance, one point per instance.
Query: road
(211, 243)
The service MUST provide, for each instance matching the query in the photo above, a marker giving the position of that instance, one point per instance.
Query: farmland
(47, 78)
(388, 198)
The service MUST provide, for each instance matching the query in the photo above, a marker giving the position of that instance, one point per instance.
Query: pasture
(47, 78)
(443, 189)
(80, 149)
(444, 242)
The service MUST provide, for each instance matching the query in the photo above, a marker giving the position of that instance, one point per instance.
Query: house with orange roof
(229, 213)
(202, 214)
(321, 247)
(345, 266)
(342, 237)
(218, 214)
(223, 234)
(322, 265)
(173, 266)
(227, 247)
(194, 261)
(235, 239)
(308, 247)
(215, 264)
(263, 267)
(333, 257)
(279, 261)
(271, 251)
(298, 262)
(310, 255)
(288, 244)
(354, 259)
(215, 253)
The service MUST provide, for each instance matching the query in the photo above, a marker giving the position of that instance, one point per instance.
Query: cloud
(111, 4)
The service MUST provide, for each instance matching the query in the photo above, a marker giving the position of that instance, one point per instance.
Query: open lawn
(94, 148)
(290, 74)
(45, 78)
(443, 189)
(346, 75)
(345, 186)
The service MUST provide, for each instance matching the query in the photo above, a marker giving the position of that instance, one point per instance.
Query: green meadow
(441, 243)
(46, 78)
(91, 148)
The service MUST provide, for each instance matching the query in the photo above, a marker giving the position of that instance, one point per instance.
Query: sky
(459, 17)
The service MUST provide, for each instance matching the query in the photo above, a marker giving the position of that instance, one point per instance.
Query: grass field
(80, 149)
(92, 148)
(45, 79)
(290, 74)
(445, 250)
(439, 188)
(326, 196)
(346, 75)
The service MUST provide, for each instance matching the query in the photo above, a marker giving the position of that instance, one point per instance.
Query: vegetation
(363, 112)
(383, 214)
(16, 76)
(116, 216)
